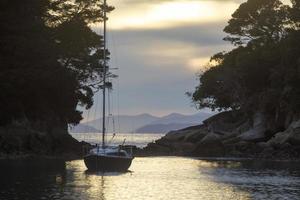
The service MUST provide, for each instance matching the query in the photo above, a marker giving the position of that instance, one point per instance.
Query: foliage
(50, 59)
(263, 71)
(257, 21)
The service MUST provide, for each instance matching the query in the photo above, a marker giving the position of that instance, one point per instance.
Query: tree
(50, 59)
(263, 72)
(294, 14)
(258, 22)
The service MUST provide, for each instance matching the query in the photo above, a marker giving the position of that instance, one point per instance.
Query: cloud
(134, 2)
(200, 34)
(168, 47)
(157, 65)
(168, 13)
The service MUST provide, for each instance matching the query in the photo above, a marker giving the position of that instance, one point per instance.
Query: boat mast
(104, 75)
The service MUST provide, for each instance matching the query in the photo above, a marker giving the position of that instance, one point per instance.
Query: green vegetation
(263, 72)
(50, 59)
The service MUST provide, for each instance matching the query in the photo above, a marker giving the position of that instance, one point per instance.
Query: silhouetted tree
(263, 72)
(50, 59)
(257, 21)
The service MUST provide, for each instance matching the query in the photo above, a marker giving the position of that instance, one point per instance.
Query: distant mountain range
(173, 121)
(126, 123)
(161, 128)
(144, 123)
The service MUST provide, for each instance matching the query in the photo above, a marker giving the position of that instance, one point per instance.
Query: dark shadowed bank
(23, 141)
(50, 64)
(232, 135)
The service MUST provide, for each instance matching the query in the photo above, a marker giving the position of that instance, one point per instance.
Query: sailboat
(104, 157)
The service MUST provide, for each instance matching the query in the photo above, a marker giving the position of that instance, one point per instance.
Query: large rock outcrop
(210, 145)
(232, 134)
(24, 139)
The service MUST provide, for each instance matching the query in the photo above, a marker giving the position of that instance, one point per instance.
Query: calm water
(138, 139)
(152, 178)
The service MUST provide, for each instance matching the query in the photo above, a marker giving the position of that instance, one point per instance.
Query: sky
(159, 47)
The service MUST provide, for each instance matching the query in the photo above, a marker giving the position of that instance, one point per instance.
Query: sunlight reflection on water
(186, 178)
(159, 178)
(154, 178)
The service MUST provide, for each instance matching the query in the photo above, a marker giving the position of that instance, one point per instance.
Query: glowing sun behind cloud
(197, 64)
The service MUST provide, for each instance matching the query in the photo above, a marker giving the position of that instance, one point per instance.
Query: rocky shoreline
(23, 141)
(227, 135)
(231, 135)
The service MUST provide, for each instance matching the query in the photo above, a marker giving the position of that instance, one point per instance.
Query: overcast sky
(158, 47)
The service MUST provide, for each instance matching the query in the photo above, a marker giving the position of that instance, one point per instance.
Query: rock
(263, 145)
(163, 146)
(295, 139)
(210, 146)
(295, 124)
(267, 152)
(243, 146)
(210, 138)
(185, 135)
(254, 135)
(24, 140)
(176, 135)
(244, 127)
(182, 148)
(196, 135)
(225, 123)
(288, 120)
(234, 153)
(231, 140)
(257, 133)
(290, 135)
(232, 133)
(278, 139)
(156, 149)
(294, 130)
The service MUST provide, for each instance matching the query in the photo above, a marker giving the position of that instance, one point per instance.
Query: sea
(137, 139)
(151, 178)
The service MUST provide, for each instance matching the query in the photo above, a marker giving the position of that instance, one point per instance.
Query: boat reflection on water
(98, 184)
(103, 174)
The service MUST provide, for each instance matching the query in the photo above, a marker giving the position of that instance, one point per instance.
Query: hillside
(173, 121)
(183, 119)
(161, 128)
(146, 123)
(127, 123)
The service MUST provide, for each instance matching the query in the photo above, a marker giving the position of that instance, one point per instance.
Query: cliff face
(42, 139)
(232, 134)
